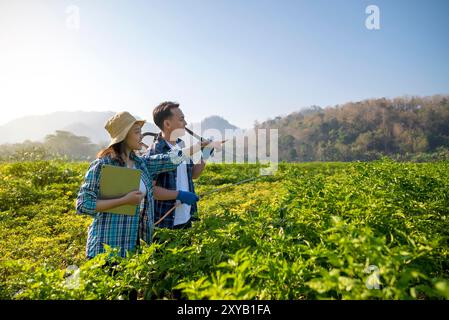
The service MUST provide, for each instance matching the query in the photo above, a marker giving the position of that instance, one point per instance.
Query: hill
(35, 128)
(364, 130)
(80, 123)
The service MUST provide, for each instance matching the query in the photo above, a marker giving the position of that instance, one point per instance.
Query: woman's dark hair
(162, 112)
(114, 152)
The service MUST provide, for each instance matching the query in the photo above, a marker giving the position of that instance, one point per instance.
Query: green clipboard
(116, 182)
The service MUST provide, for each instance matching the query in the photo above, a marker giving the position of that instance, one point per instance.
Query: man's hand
(187, 197)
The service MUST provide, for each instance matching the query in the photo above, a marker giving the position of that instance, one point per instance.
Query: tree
(67, 144)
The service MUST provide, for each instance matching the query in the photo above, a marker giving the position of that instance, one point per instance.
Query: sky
(245, 60)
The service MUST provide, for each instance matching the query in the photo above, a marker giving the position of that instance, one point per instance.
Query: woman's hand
(133, 198)
(190, 151)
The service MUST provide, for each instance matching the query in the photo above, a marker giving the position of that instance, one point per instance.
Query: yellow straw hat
(119, 125)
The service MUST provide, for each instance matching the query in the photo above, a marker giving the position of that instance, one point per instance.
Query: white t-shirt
(182, 213)
(143, 189)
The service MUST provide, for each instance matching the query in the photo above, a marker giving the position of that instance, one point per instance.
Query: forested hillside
(407, 127)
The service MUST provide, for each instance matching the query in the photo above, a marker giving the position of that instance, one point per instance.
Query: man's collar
(164, 142)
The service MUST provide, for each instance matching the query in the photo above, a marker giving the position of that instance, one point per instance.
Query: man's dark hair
(163, 112)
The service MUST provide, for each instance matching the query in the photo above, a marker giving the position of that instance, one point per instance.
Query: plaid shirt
(167, 180)
(119, 230)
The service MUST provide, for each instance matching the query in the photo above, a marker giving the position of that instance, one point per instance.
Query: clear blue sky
(245, 60)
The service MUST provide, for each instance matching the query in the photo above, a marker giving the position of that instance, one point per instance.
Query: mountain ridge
(81, 123)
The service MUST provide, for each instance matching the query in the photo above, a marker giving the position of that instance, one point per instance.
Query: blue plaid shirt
(167, 180)
(119, 230)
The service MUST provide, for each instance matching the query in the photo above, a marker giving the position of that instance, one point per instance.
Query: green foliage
(357, 230)
(37, 221)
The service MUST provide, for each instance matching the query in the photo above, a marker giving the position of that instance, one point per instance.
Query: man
(176, 184)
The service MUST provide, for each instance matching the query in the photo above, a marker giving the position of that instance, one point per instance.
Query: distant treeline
(60, 145)
(406, 128)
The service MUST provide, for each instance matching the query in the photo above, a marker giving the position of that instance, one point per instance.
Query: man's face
(176, 124)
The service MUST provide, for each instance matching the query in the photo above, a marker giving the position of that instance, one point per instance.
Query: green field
(376, 230)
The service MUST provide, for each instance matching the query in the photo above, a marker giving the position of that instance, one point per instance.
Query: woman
(119, 230)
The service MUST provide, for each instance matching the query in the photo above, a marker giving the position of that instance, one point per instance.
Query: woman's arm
(87, 201)
(163, 162)
(190, 151)
(133, 198)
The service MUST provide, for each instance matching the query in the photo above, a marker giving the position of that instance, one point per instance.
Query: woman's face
(134, 137)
